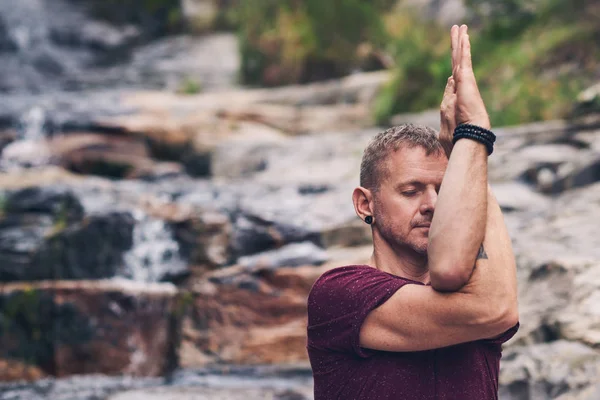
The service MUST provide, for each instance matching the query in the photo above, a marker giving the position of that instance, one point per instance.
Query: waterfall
(154, 255)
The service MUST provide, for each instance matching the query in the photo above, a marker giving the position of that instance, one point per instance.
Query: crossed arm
(473, 292)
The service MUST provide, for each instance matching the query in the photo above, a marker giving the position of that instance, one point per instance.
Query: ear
(362, 199)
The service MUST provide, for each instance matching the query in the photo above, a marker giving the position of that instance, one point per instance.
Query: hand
(448, 117)
(469, 104)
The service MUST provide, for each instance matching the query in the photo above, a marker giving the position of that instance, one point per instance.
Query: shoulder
(346, 289)
(345, 278)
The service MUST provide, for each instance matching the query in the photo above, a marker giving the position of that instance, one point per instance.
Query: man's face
(406, 197)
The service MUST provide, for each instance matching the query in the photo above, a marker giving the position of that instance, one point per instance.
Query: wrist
(483, 122)
(475, 133)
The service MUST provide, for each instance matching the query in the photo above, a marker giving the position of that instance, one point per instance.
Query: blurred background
(175, 174)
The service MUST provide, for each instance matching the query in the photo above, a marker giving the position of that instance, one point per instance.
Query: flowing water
(60, 67)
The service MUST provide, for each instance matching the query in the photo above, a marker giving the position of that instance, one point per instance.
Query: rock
(235, 324)
(205, 239)
(25, 154)
(513, 196)
(357, 88)
(6, 137)
(557, 256)
(191, 393)
(445, 12)
(554, 370)
(54, 201)
(108, 327)
(527, 161)
(200, 15)
(97, 35)
(45, 235)
(291, 255)
(576, 175)
(12, 370)
(428, 118)
(90, 154)
(326, 159)
(253, 235)
(580, 320)
(37, 177)
(588, 101)
(590, 138)
(152, 18)
(6, 42)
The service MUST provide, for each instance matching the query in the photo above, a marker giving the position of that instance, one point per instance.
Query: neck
(401, 261)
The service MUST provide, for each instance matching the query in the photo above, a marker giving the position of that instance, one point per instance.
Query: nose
(429, 200)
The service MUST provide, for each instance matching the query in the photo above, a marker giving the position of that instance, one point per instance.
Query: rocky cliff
(150, 238)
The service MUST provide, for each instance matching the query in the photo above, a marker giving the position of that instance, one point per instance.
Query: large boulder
(44, 234)
(108, 327)
(242, 318)
(557, 370)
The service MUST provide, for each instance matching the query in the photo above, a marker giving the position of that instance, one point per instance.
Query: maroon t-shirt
(338, 305)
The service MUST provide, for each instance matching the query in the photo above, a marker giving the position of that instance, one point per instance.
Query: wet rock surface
(241, 198)
(107, 327)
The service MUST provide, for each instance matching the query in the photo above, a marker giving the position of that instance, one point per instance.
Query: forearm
(459, 221)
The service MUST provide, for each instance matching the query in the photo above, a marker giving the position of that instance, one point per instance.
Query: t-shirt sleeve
(340, 301)
(506, 336)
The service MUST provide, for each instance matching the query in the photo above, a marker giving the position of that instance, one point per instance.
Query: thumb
(450, 86)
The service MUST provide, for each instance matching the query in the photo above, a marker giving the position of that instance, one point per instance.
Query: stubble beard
(398, 242)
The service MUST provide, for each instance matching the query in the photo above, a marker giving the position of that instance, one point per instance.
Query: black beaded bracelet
(477, 133)
(468, 128)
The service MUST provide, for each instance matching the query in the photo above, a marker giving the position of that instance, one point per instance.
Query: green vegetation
(287, 41)
(189, 86)
(531, 58)
(422, 66)
(23, 318)
(3, 204)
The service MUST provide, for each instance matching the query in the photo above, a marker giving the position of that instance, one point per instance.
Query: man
(427, 317)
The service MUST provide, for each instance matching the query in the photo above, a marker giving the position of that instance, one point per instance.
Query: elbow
(502, 318)
(509, 317)
(450, 279)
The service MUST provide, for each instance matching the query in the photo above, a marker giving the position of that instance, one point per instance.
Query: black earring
(369, 219)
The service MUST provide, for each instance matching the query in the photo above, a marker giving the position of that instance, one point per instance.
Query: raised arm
(458, 225)
(420, 317)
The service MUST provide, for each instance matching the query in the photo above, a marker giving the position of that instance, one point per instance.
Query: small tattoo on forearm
(482, 254)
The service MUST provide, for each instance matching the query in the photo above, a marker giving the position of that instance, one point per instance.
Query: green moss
(189, 86)
(3, 204)
(25, 318)
(183, 302)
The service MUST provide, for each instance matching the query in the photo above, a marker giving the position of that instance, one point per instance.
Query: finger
(450, 86)
(465, 60)
(454, 44)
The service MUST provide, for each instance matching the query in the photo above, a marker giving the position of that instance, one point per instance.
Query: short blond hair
(376, 152)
